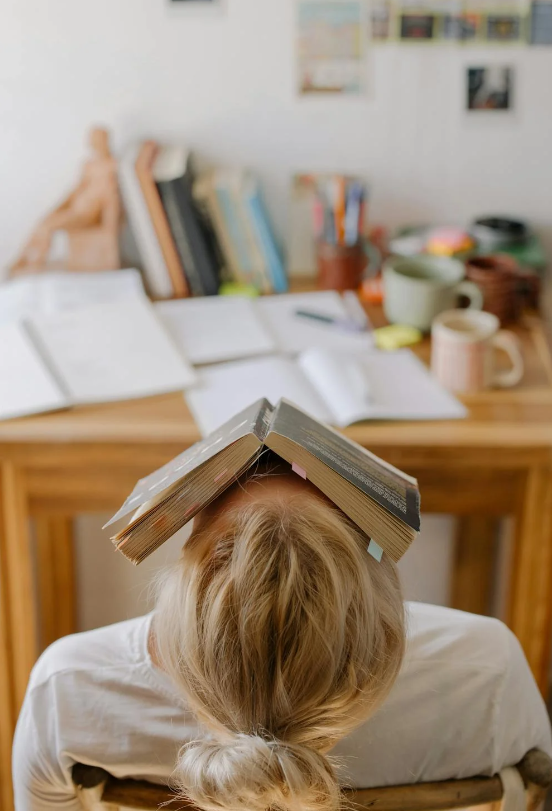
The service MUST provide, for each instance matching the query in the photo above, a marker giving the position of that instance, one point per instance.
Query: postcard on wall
(331, 44)
(417, 26)
(382, 20)
(461, 27)
(489, 88)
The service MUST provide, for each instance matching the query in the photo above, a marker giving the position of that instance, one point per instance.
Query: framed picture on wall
(489, 88)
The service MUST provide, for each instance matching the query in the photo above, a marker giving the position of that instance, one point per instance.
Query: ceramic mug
(418, 288)
(344, 267)
(463, 344)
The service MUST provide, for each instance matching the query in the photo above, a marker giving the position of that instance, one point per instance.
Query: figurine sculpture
(90, 216)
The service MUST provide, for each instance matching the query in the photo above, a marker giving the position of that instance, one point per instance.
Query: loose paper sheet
(26, 384)
(214, 329)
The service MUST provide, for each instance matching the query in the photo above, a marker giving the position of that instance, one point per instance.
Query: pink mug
(463, 344)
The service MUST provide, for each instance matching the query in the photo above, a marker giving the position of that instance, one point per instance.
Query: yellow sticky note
(235, 289)
(396, 335)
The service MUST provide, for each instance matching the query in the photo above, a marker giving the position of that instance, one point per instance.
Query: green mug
(417, 288)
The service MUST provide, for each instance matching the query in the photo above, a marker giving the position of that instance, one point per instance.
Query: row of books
(196, 231)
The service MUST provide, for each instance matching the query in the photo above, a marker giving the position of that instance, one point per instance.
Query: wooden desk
(496, 463)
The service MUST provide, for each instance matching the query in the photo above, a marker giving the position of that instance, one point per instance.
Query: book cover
(386, 485)
(255, 419)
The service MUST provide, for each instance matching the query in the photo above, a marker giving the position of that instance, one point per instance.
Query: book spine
(156, 273)
(261, 273)
(204, 256)
(204, 194)
(168, 193)
(210, 231)
(266, 240)
(143, 167)
(228, 208)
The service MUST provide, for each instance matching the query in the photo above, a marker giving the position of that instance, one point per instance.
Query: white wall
(224, 83)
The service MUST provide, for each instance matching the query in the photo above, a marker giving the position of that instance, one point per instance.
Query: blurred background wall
(223, 81)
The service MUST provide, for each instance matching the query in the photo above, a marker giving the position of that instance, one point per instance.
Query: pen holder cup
(344, 267)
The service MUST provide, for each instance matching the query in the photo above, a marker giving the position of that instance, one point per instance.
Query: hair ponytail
(284, 635)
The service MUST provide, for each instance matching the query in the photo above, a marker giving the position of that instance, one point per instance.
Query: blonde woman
(273, 669)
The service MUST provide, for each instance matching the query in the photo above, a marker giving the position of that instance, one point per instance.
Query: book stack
(193, 232)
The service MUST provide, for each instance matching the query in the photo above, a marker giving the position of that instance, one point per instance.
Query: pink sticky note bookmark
(221, 475)
(375, 550)
(299, 470)
(192, 508)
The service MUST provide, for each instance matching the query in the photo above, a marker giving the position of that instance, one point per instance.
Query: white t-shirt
(465, 703)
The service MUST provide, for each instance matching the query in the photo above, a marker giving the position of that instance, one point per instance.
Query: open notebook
(335, 387)
(53, 292)
(210, 330)
(381, 500)
(110, 351)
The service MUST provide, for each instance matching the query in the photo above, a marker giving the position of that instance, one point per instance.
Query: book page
(65, 291)
(378, 385)
(294, 333)
(26, 384)
(49, 293)
(342, 383)
(402, 388)
(113, 351)
(227, 388)
(214, 329)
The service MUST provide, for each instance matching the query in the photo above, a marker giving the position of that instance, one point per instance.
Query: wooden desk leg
(530, 601)
(7, 722)
(474, 561)
(18, 624)
(56, 578)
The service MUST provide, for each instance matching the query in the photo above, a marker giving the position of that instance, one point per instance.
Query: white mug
(462, 351)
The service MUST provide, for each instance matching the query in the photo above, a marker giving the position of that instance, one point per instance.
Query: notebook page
(26, 384)
(214, 329)
(227, 388)
(47, 293)
(294, 334)
(113, 351)
(378, 385)
(341, 381)
(18, 299)
(402, 388)
(65, 291)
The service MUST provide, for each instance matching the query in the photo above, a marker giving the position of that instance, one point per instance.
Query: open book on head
(381, 500)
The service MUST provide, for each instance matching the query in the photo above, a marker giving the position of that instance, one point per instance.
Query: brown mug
(498, 277)
(344, 267)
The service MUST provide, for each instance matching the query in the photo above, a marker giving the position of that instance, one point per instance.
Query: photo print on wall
(489, 88)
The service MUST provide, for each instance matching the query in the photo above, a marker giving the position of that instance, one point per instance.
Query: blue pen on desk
(347, 324)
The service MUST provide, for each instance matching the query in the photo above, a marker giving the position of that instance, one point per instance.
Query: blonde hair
(284, 635)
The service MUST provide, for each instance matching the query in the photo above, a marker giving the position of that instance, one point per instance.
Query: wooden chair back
(98, 790)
